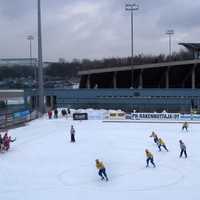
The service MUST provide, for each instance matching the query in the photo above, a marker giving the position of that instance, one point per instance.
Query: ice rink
(43, 165)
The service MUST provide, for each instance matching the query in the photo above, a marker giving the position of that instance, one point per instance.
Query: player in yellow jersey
(155, 137)
(102, 170)
(161, 143)
(185, 126)
(149, 156)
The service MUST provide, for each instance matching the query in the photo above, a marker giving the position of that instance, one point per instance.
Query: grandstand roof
(191, 46)
(144, 66)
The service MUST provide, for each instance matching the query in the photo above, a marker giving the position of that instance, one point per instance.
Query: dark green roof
(191, 46)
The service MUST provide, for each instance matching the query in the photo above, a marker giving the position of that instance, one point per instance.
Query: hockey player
(185, 126)
(64, 112)
(5, 136)
(1, 143)
(68, 111)
(6, 143)
(72, 133)
(56, 113)
(160, 144)
(50, 114)
(102, 170)
(155, 137)
(149, 156)
(183, 149)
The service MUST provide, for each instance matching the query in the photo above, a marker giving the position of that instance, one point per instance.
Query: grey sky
(96, 29)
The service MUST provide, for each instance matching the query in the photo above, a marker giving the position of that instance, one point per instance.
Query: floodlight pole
(170, 33)
(30, 38)
(131, 8)
(40, 63)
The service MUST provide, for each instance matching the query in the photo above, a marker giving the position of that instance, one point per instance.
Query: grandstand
(176, 74)
(171, 86)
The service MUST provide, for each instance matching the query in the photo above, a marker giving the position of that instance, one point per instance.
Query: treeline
(15, 72)
(144, 59)
(70, 69)
(64, 70)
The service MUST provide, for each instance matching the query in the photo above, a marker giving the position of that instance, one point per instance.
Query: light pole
(131, 8)
(30, 38)
(170, 32)
(40, 63)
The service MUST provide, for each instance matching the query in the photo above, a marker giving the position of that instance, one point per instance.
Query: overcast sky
(96, 28)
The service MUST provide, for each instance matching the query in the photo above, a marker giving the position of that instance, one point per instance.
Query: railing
(13, 119)
(93, 93)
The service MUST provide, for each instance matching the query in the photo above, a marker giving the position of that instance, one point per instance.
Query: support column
(141, 79)
(51, 102)
(26, 100)
(54, 101)
(132, 77)
(37, 101)
(32, 101)
(115, 80)
(193, 76)
(88, 82)
(47, 100)
(167, 78)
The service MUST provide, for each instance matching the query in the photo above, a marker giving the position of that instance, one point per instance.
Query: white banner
(155, 116)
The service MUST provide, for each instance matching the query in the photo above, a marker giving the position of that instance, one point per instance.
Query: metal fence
(13, 119)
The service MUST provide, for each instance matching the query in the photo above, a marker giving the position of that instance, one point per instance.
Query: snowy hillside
(43, 165)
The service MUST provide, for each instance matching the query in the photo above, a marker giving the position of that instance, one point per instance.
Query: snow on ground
(43, 165)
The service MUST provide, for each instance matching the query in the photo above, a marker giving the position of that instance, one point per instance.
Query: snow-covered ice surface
(43, 165)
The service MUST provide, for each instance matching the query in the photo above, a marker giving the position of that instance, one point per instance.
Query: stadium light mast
(131, 8)
(30, 38)
(40, 62)
(170, 32)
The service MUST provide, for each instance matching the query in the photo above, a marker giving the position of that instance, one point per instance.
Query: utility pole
(131, 8)
(40, 63)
